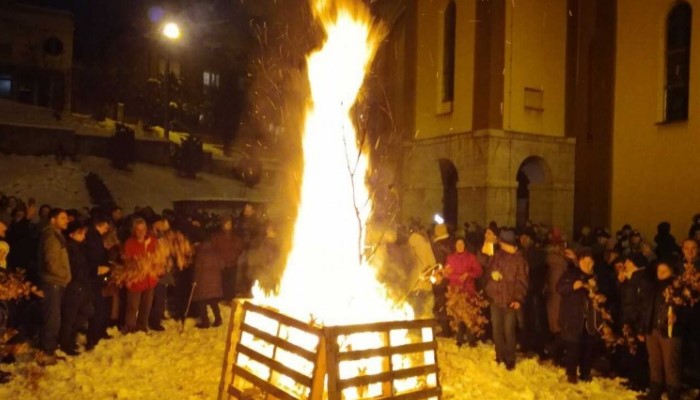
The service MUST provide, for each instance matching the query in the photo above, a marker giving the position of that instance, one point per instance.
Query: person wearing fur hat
(506, 290)
(442, 247)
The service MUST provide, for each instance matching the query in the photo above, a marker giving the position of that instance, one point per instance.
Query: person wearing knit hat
(507, 236)
(506, 289)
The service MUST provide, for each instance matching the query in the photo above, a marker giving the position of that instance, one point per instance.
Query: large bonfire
(327, 278)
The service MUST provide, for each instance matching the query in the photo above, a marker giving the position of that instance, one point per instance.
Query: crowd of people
(616, 304)
(97, 267)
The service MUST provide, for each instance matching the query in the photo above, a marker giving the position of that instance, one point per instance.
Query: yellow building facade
(655, 154)
(494, 146)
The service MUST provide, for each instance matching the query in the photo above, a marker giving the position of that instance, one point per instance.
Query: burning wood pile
(325, 333)
(271, 355)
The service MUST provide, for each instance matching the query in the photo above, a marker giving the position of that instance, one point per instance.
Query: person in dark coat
(98, 266)
(666, 246)
(249, 228)
(77, 300)
(664, 330)
(230, 246)
(442, 247)
(264, 266)
(506, 290)
(578, 318)
(23, 238)
(636, 290)
(689, 263)
(207, 277)
(535, 329)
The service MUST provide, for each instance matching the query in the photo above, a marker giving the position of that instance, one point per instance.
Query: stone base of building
(475, 175)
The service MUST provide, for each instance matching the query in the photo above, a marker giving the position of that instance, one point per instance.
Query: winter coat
(264, 263)
(132, 250)
(635, 295)
(423, 256)
(229, 245)
(556, 266)
(208, 265)
(443, 248)
(537, 272)
(576, 311)
(54, 267)
(513, 286)
(23, 240)
(79, 264)
(462, 263)
(666, 246)
(422, 250)
(96, 252)
(655, 316)
(248, 229)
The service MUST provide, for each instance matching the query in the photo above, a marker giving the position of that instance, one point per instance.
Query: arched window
(678, 26)
(448, 52)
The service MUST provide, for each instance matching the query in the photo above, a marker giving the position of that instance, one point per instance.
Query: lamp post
(171, 32)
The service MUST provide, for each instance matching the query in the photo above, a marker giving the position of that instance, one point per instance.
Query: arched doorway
(534, 193)
(449, 175)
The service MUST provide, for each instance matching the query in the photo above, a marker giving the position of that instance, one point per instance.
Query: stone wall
(487, 163)
(39, 141)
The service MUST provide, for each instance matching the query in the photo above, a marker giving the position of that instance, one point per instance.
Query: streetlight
(171, 31)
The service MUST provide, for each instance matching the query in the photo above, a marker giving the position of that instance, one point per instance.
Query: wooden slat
(387, 376)
(384, 326)
(387, 351)
(279, 342)
(275, 365)
(233, 336)
(284, 319)
(418, 395)
(232, 391)
(331, 342)
(262, 385)
(319, 374)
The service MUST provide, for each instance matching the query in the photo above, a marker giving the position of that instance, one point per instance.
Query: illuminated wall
(432, 116)
(535, 67)
(654, 168)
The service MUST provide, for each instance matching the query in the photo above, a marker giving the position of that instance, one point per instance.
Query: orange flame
(326, 278)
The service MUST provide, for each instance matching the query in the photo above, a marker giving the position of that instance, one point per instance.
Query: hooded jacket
(54, 267)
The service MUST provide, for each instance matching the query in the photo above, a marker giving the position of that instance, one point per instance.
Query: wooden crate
(274, 378)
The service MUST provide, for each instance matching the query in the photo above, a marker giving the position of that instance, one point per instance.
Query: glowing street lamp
(171, 31)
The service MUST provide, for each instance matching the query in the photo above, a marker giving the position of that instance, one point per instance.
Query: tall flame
(326, 278)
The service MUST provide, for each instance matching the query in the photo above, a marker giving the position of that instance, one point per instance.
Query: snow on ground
(139, 366)
(64, 185)
(472, 373)
(170, 365)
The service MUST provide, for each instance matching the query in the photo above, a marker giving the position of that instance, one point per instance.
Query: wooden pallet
(256, 363)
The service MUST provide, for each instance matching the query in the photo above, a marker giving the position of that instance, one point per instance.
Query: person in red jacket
(139, 252)
(462, 271)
